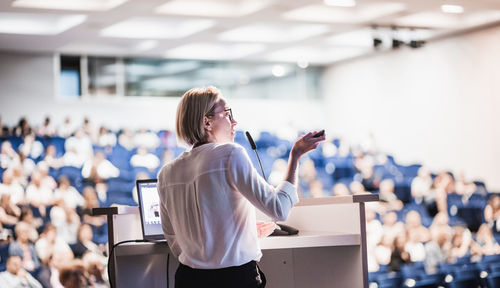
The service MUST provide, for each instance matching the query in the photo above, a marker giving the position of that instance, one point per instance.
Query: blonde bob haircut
(195, 104)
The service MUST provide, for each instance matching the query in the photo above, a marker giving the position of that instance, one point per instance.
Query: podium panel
(329, 251)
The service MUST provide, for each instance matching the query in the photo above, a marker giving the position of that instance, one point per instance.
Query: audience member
(84, 243)
(11, 187)
(143, 158)
(399, 255)
(388, 200)
(99, 169)
(50, 243)
(421, 186)
(67, 193)
(51, 158)
(46, 129)
(79, 148)
(9, 213)
(126, 139)
(73, 276)
(437, 251)
(414, 227)
(485, 243)
(66, 129)
(461, 242)
(340, 189)
(440, 225)
(91, 201)
(96, 270)
(391, 226)
(146, 139)
(316, 189)
(492, 213)
(31, 147)
(23, 128)
(106, 138)
(66, 220)
(39, 195)
(8, 156)
(15, 276)
(23, 248)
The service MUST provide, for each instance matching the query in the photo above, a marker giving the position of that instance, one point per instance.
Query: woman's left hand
(265, 229)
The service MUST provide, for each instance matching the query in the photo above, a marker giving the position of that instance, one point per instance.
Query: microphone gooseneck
(254, 148)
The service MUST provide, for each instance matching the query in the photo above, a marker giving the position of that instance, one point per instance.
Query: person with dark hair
(23, 128)
(16, 277)
(219, 247)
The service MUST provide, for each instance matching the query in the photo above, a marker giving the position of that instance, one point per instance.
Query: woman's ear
(207, 123)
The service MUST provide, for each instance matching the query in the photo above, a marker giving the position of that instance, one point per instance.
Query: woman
(208, 196)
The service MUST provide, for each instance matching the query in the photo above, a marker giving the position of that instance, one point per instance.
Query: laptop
(149, 207)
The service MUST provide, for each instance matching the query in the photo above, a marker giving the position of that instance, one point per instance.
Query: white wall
(437, 105)
(28, 89)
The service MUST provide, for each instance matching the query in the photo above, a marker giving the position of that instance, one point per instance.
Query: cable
(111, 284)
(168, 270)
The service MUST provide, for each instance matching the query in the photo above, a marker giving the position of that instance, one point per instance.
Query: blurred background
(407, 92)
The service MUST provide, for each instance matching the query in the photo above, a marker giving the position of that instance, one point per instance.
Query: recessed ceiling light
(273, 33)
(340, 3)
(454, 9)
(303, 64)
(38, 24)
(279, 71)
(155, 28)
(146, 45)
(367, 12)
(86, 5)
(211, 51)
(211, 8)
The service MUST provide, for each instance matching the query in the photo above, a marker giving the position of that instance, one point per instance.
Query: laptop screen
(149, 205)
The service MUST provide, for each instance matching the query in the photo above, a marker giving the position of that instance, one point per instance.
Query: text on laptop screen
(150, 208)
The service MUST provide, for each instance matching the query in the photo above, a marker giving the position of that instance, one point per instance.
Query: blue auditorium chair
(4, 254)
(15, 141)
(391, 279)
(120, 157)
(491, 258)
(266, 139)
(74, 175)
(494, 280)
(58, 143)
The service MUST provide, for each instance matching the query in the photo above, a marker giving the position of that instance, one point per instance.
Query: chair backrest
(4, 254)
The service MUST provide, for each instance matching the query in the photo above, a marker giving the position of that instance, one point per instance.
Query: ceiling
(301, 31)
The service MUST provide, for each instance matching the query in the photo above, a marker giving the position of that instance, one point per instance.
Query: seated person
(485, 243)
(414, 227)
(68, 193)
(98, 169)
(15, 276)
(143, 158)
(51, 158)
(84, 243)
(23, 248)
(11, 187)
(9, 213)
(50, 243)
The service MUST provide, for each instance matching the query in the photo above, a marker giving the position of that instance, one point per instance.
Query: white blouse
(207, 198)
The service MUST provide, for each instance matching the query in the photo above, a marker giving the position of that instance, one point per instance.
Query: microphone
(254, 148)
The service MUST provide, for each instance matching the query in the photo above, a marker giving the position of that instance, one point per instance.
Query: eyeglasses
(227, 113)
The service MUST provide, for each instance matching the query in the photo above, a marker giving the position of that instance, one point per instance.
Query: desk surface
(303, 240)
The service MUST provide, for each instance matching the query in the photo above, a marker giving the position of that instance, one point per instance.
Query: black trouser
(245, 276)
